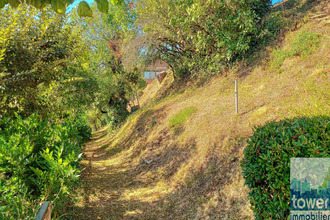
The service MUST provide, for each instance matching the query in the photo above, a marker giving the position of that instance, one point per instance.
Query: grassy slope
(151, 170)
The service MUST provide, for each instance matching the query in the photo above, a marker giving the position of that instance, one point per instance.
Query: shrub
(272, 25)
(266, 163)
(261, 7)
(38, 161)
(84, 132)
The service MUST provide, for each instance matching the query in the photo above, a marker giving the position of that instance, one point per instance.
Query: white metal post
(236, 95)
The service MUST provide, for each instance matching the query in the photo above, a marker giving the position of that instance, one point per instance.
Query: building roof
(157, 66)
(149, 80)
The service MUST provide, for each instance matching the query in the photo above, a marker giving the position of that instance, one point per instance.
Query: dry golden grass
(146, 170)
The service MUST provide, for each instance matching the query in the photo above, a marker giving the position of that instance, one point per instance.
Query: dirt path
(117, 186)
(106, 176)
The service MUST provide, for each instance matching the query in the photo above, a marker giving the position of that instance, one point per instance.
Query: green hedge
(39, 161)
(266, 163)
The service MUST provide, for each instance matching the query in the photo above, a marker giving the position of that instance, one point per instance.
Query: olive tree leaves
(102, 5)
(60, 6)
(84, 10)
(3, 3)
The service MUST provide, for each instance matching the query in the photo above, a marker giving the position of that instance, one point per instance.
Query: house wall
(150, 75)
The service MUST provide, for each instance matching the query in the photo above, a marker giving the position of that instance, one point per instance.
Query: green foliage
(84, 131)
(304, 43)
(14, 3)
(60, 6)
(280, 55)
(84, 10)
(15, 202)
(102, 5)
(117, 2)
(193, 35)
(272, 25)
(38, 3)
(39, 49)
(326, 179)
(39, 161)
(178, 120)
(104, 37)
(266, 163)
(261, 7)
(3, 3)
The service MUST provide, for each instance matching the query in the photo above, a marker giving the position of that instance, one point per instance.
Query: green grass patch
(178, 120)
(279, 56)
(304, 44)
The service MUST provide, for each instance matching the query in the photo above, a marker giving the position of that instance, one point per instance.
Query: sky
(276, 1)
(76, 2)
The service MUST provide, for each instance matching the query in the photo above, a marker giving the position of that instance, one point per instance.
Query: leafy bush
(179, 119)
(272, 25)
(261, 7)
(84, 132)
(38, 161)
(266, 163)
(33, 57)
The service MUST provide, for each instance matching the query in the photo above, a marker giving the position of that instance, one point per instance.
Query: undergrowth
(39, 161)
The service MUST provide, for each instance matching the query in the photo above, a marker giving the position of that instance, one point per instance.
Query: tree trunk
(137, 98)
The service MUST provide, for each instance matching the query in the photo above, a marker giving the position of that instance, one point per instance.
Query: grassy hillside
(178, 157)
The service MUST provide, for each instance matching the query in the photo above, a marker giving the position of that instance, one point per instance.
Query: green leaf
(59, 6)
(14, 3)
(84, 10)
(117, 2)
(3, 3)
(69, 2)
(38, 3)
(102, 5)
(3, 208)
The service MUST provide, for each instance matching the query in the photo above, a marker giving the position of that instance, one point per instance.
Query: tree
(195, 34)
(39, 49)
(104, 35)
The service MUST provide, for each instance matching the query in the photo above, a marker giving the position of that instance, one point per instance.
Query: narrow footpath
(106, 176)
